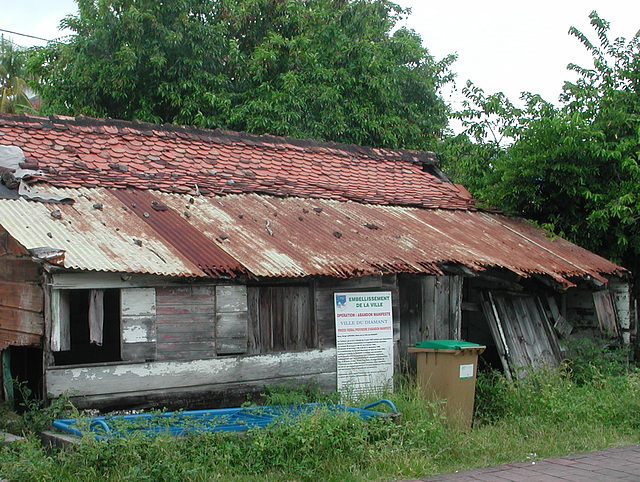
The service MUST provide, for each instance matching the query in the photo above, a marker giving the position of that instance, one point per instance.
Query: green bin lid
(446, 344)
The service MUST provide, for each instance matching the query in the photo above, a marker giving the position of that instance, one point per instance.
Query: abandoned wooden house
(155, 265)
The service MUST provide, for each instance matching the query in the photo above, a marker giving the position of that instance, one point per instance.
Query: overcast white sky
(502, 45)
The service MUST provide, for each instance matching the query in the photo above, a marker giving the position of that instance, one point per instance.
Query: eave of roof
(267, 236)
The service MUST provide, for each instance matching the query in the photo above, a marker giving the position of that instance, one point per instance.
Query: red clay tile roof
(85, 152)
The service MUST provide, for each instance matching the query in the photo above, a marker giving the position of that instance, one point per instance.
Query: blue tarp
(216, 420)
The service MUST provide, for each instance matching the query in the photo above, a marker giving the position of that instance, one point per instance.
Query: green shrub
(596, 359)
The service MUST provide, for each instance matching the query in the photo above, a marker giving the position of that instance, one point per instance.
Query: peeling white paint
(136, 334)
(159, 376)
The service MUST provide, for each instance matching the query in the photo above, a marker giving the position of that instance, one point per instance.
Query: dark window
(83, 349)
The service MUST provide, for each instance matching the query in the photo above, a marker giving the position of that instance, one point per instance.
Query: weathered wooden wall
(21, 297)
(186, 317)
(183, 344)
(211, 382)
(442, 301)
(138, 324)
(430, 309)
(281, 318)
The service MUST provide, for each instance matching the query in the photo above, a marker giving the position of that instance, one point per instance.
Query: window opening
(94, 327)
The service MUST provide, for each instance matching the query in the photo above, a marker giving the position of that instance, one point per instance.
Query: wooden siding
(21, 300)
(177, 383)
(430, 309)
(442, 300)
(281, 318)
(138, 324)
(231, 320)
(185, 322)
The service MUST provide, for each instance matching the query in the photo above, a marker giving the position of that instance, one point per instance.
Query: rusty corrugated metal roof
(108, 238)
(267, 236)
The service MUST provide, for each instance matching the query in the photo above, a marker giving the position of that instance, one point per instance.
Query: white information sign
(364, 342)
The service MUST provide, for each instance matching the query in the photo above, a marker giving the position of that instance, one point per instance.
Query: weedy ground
(588, 404)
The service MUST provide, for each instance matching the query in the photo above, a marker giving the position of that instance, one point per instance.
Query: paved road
(617, 464)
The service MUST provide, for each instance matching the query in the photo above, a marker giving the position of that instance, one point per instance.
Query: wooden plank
(23, 321)
(186, 336)
(201, 295)
(231, 325)
(177, 319)
(231, 346)
(60, 321)
(429, 304)
(121, 379)
(178, 328)
(442, 307)
(411, 323)
(219, 395)
(25, 296)
(205, 348)
(17, 338)
(138, 329)
(138, 352)
(231, 298)
(606, 312)
(19, 269)
(352, 284)
(102, 280)
(455, 306)
(185, 350)
(186, 309)
(495, 326)
(138, 301)
(254, 339)
(324, 314)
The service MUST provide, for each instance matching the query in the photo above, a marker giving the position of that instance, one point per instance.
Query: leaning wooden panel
(606, 312)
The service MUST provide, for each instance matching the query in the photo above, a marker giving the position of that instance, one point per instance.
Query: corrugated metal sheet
(108, 238)
(174, 229)
(286, 237)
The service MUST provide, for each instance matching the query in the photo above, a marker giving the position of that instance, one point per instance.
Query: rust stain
(187, 240)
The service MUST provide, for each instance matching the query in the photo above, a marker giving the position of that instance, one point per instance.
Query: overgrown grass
(547, 413)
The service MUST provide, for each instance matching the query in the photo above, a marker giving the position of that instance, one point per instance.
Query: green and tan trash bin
(446, 369)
